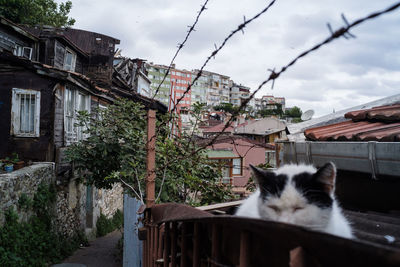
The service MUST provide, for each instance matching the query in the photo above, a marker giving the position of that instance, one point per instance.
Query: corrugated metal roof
(375, 124)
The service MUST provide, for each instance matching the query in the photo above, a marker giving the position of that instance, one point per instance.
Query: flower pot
(9, 168)
(18, 165)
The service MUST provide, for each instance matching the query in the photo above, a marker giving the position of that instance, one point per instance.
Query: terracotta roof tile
(375, 124)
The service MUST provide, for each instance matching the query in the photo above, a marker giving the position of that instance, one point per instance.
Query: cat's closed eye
(275, 208)
(297, 208)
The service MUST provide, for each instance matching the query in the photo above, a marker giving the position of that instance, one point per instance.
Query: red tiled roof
(383, 113)
(376, 124)
(218, 128)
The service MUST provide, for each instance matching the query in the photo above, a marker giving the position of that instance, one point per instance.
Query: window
(69, 60)
(74, 101)
(20, 51)
(237, 166)
(25, 112)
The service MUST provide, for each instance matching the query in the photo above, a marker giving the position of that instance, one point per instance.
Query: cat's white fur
(326, 220)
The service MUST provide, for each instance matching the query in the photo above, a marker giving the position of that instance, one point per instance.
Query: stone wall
(111, 200)
(74, 209)
(25, 180)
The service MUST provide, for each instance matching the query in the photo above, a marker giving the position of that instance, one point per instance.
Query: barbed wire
(275, 75)
(181, 45)
(343, 31)
(240, 27)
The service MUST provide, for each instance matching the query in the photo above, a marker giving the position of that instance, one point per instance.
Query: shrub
(34, 243)
(105, 225)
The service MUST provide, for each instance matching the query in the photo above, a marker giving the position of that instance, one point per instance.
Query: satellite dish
(307, 115)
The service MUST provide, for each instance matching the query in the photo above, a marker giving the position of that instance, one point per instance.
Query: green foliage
(294, 112)
(34, 243)
(115, 151)
(32, 12)
(105, 225)
(226, 107)
(24, 202)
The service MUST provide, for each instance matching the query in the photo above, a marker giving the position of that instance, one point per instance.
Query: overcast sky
(340, 75)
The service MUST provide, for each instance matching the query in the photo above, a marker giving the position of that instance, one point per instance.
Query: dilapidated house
(46, 76)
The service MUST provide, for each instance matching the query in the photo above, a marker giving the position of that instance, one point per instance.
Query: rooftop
(380, 124)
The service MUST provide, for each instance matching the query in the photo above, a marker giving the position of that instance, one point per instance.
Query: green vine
(36, 242)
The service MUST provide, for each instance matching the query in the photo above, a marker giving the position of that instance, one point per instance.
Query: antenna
(307, 115)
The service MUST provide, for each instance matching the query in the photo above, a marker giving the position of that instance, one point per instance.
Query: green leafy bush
(105, 225)
(34, 243)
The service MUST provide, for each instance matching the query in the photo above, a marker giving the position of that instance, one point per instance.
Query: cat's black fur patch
(312, 190)
(272, 186)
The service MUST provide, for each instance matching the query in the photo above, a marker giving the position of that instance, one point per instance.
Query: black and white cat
(298, 194)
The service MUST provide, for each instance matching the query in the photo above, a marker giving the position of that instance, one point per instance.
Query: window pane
(32, 114)
(68, 60)
(27, 113)
(237, 166)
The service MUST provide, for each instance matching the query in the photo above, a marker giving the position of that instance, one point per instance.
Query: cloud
(340, 75)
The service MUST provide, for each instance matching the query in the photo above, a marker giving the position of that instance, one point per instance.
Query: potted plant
(9, 167)
(18, 164)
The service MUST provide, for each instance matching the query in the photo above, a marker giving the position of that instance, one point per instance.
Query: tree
(32, 12)
(294, 112)
(225, 107)
(115, 152)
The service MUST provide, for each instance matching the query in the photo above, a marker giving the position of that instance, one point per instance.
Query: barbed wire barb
(180, 46)
(274, 75)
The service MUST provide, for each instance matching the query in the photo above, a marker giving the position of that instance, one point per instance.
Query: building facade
(155, 74)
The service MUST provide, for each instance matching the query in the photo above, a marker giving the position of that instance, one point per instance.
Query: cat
(297, 194)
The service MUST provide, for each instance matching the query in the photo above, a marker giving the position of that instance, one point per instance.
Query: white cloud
(345, 73)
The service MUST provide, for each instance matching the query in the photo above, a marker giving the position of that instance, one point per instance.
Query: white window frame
(16, 112)
(76, 133)
(73, 61)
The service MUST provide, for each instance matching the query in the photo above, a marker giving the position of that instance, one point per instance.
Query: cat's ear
(260, 175)
(326, 175)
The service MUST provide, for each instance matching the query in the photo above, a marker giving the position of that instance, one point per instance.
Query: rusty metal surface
(251, 242)
(377, 124)
(196, 238)
(175, 211)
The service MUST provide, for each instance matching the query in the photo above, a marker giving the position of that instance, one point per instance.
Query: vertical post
(196, 245)
(151, 158)
(244, 249)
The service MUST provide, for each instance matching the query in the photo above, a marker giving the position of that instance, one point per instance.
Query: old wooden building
(67, 70)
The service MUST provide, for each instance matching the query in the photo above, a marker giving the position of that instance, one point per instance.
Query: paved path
(101, 253)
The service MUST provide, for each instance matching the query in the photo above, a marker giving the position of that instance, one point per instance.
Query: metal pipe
(151, 158)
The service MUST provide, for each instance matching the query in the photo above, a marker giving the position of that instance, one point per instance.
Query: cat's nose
(286, 219)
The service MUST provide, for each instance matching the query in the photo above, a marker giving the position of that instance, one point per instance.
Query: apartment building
(155, 74)
(238, 93)
(218, 88)
(180, 80)
(271, 102)
(199, 88)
